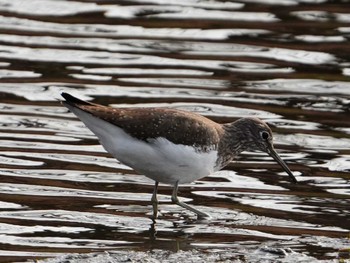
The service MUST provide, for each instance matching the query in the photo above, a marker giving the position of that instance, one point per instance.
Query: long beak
(272, 152)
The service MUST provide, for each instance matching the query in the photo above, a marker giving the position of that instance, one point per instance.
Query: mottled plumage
(169, 145)
(150, 123)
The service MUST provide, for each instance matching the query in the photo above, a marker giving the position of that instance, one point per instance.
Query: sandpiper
(172, 146)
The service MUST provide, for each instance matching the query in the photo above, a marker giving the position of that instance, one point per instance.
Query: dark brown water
(287, 62)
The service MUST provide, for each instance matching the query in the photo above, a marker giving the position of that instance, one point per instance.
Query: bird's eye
(265, 135)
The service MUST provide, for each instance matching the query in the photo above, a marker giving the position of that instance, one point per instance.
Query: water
(286, 62)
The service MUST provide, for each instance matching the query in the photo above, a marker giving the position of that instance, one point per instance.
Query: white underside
(158, 159)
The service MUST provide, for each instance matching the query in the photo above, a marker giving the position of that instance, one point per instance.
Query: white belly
(158, 159)
(163, 161)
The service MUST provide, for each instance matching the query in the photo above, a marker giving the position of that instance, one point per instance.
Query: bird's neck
(234, 141)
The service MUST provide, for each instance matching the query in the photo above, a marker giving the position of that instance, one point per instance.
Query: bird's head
(254, 134)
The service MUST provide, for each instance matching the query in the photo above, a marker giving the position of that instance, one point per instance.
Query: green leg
(176, 200)
(154, 201)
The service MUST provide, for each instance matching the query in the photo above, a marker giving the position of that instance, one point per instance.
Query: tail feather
(73, 101)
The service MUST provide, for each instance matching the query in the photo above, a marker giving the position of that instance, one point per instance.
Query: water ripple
(283, 61)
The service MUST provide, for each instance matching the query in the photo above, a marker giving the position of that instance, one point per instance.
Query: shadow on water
(286, 62)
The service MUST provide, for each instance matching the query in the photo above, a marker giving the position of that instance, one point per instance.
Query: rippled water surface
(286, 62)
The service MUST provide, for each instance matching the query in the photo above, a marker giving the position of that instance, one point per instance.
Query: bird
(172, 146)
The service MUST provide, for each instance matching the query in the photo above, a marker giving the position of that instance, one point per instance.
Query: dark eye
(265, 135)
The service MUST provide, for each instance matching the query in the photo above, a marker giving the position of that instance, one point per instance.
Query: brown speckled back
(179, 127)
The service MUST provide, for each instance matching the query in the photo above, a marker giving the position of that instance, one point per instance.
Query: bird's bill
(272, 152)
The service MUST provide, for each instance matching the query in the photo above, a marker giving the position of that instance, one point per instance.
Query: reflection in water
(286, 62)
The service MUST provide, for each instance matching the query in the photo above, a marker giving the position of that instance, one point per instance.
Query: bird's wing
(179, 127)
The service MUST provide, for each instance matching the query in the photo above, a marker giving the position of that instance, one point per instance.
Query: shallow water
(286, 62)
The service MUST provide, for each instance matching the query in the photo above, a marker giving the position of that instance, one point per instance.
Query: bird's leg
(176, 200)
(154, 201)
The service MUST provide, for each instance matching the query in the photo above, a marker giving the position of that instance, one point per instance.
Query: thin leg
(154, 201)
(177, 201)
